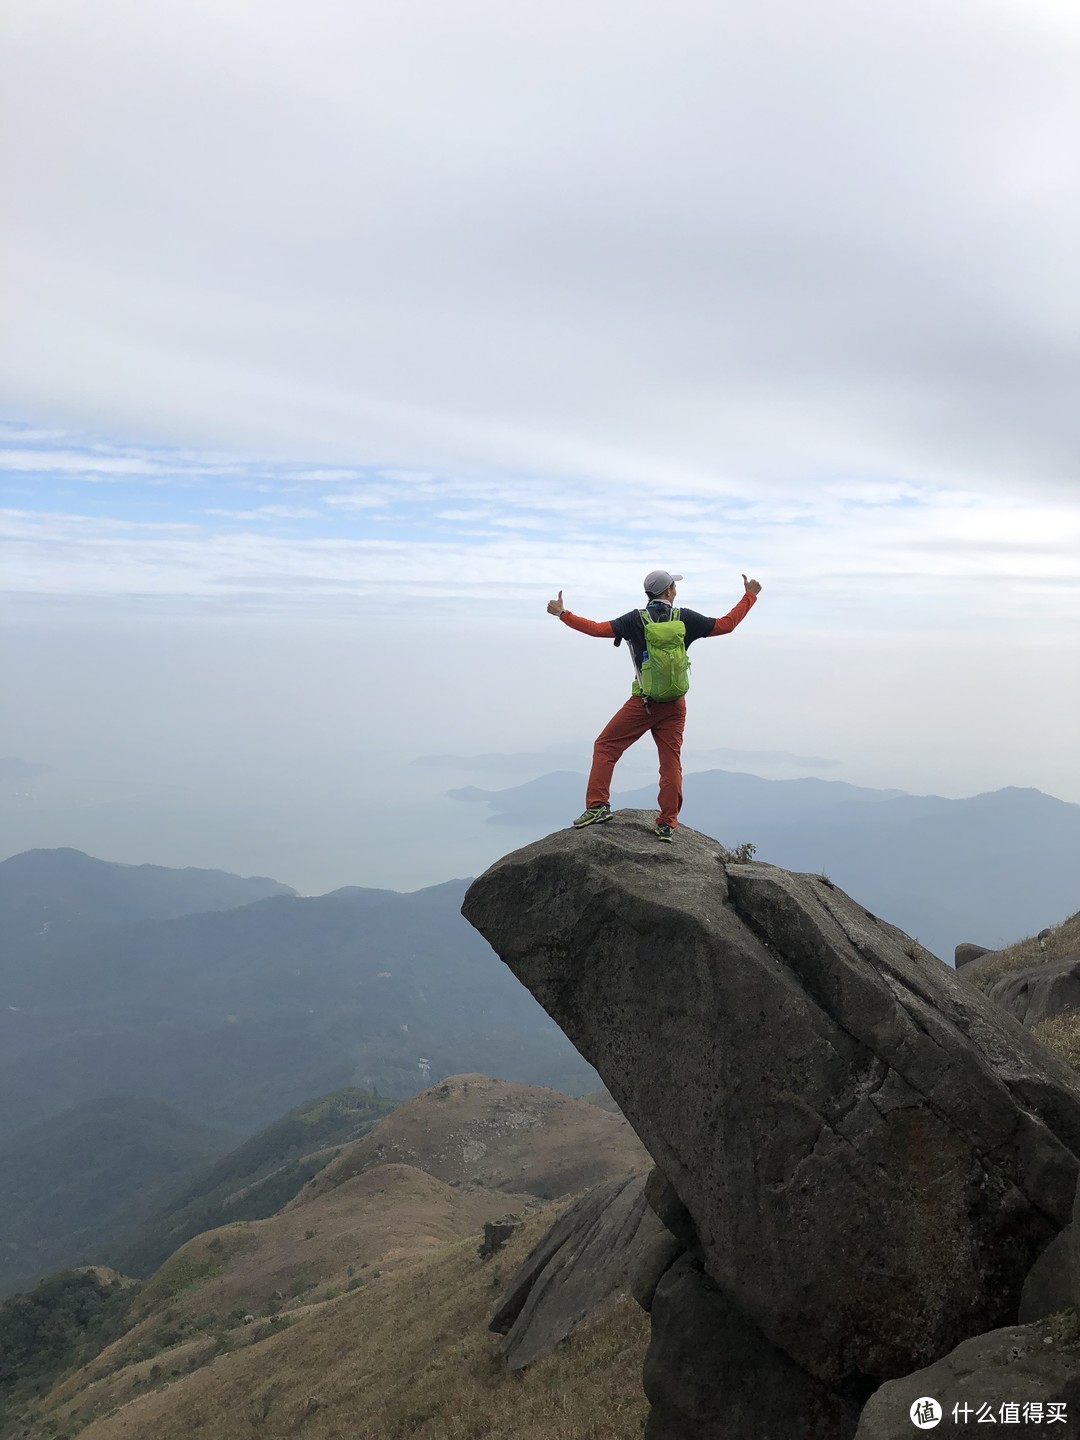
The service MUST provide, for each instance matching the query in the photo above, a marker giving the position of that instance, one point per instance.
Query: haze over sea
(341, 340)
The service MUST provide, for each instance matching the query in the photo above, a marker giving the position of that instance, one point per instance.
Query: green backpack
(665, 668)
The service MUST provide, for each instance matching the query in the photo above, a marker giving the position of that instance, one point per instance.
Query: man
(665, 718)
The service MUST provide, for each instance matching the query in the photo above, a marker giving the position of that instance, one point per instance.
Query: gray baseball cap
(657, 581)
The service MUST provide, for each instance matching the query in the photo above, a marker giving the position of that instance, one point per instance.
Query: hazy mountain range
(65, 891)
(81, 1178)
(989, 868)
(237, 1014)
(150, 1017)
(125, 1182)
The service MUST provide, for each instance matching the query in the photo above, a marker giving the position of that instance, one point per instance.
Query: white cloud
(529, 298)
(73, 462)
(267, 512)
(963, 561)
(678, 246)
(367, 499)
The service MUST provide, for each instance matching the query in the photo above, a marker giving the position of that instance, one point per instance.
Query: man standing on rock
(657, 702)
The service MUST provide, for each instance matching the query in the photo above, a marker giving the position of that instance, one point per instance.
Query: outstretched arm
(601, 629)
(727, 623)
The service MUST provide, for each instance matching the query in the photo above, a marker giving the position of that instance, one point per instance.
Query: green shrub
(182, 1272)
(61, 1323)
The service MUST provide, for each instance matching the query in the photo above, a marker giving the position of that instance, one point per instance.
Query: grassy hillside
(474, 1129)
(1064, 939)
(84, 1177)
(256, 1179)
(273, 1269)
(417, 1354)
(407, 1353)
(1061, 1033)
(602, 1097)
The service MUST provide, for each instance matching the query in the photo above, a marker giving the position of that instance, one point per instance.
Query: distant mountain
(238, 1015)
(551, 801)
(14, 771)
(88, 1174)
(990, 868)
(65, 890)
(255, 1180)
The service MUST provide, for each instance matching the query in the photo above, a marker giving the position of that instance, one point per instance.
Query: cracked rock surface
(871, 1152)
(588, 1259)
(1020, 1375)
(1040, 992)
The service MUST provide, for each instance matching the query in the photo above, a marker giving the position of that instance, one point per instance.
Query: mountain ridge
(993, 865)
(65, 884)
(237, 1015)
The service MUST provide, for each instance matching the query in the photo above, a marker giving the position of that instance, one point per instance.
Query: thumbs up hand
(556, 607)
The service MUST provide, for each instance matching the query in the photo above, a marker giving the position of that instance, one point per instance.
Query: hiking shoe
(596, 816)
(665, 832)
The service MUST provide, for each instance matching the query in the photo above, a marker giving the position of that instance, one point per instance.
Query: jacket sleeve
(727, 623)
(601, 629)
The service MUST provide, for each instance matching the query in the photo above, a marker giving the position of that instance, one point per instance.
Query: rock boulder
(1021, 1375)
(966, 952)
(711, 1375)
(1039, 992)
(587, 1259)
(871, 1153)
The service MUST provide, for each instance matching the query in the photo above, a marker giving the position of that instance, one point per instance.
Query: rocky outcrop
(966, 952)
(496, 1234)
(1050, 1286)
(1012, 1376)
(710, 1374)
(606, 1242)
(1040, 992)
(869, 1153)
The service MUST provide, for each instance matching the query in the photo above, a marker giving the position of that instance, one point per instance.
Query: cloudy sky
(338, 337)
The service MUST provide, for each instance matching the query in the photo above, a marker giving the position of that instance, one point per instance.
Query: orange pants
(665, 718)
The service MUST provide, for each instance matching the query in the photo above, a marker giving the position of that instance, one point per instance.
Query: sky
(338, 338)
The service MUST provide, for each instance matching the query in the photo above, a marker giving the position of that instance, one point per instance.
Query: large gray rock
(872, 1154)
(588, 1258)
(711, 1375)
(1021, 1365)
(671, 1210)
(1040, 992)
(966, 952)
(1049, 1287)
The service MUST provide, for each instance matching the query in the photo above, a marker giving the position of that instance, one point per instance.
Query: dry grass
(1061, 1034)
(408, 1355)
(1064, 939)
(360, 1310)
(519, 1138)
(604, 1099)
(271, 1269)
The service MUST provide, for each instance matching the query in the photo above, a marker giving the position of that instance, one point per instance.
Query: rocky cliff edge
(869, 1155)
